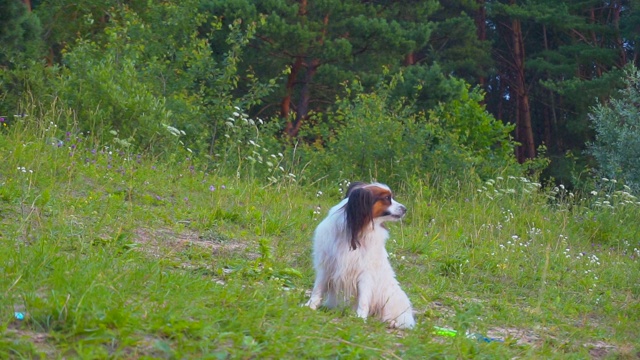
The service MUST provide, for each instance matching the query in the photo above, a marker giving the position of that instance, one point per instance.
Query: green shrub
(377, 136)
(617, 126)
(109, 96)
(153, 70)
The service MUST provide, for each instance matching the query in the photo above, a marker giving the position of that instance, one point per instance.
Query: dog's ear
(359, 211)
(352, 186)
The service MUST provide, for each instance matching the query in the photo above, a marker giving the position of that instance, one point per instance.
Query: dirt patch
(163, 242)
(40, 341)
(520, 336)
(600, 349)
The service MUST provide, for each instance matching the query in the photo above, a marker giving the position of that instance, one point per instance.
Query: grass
(111, 254)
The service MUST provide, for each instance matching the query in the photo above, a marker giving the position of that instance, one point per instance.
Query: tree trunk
(410, 59)
(524, 130)
(302, 112)
(616, 8)
(481, 31)
(594, 39)
(27, 3)
(285, 105)
(551, 122)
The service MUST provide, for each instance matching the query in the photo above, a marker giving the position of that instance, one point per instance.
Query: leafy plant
(376, 135)
(617, 126)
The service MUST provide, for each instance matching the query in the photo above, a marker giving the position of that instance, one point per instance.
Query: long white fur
(360, 278)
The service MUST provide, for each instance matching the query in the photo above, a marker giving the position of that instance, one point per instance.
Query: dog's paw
(362, 312)
(313, 305)
(404, 321)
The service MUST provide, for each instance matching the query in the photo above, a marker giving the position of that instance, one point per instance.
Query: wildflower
(212, 188)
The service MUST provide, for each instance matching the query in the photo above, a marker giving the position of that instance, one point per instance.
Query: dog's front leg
(319, 288)
(365, 294)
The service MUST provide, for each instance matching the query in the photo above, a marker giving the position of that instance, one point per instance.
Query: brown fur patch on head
(382, 200)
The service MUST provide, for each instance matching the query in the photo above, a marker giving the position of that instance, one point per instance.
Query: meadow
(110, 253)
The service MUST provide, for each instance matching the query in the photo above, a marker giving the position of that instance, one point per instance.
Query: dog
(351, 262)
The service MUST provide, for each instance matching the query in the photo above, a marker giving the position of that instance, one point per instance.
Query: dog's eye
(388, 198)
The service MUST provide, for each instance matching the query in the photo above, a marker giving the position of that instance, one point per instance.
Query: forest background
(361, 89)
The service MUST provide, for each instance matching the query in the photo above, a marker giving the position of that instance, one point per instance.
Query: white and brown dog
(350, 259)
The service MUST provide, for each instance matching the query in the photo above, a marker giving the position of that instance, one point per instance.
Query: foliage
(323, 44)
(380, 136)
(108, 96)
(571, 59)
(617, 126)
(152, 70)
(20, 46)
(485, 141)
(19, 34)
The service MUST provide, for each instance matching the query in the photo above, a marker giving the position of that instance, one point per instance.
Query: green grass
(114, 255)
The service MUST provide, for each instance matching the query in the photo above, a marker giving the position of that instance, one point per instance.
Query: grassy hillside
(113, 254)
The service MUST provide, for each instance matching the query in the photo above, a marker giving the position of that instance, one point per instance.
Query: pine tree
(19, 32)
(326, 43)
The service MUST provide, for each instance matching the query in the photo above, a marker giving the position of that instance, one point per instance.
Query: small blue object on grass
(18, 315)
(483, 338)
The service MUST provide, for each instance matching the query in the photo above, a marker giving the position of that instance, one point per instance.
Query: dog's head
(369, 204)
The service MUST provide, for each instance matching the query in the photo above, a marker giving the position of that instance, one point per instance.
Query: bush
(617, 127)
(378, 136)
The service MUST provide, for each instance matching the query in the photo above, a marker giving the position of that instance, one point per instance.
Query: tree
(617, 127)
(508, 18)
(20, 49)
(325, 43)
(458, 42)
(19, 32)
(554, 60)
